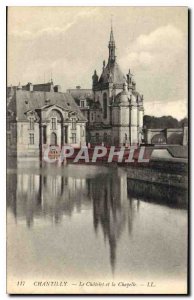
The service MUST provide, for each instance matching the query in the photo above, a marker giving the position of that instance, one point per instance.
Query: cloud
(165, 37)
(160, 48)
(71, 19)
(159, 61)
(176, 108)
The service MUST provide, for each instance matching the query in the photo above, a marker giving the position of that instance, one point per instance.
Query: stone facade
(41, 118)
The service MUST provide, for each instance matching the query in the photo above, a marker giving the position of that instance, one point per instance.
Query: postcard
(97, 150)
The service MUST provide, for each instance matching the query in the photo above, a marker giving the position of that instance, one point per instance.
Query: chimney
(57, 88)
(30, 87)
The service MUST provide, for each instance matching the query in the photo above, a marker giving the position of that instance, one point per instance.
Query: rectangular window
(31, 138)
(54, 123)
(73, 123)
(31, 123)
(73, 138)
(82, 103)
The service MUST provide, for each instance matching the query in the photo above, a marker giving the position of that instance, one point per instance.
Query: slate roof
(113, 70)
(78, 93)
(26, 101)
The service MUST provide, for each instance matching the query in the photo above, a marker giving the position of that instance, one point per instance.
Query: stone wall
(167, 173)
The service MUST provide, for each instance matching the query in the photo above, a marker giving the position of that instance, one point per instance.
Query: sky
(69, 43)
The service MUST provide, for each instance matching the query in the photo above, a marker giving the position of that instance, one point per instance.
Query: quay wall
(162, 172)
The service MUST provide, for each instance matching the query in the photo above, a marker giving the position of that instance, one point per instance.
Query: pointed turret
(95, 78)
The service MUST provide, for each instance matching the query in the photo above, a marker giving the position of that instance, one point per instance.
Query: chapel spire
(111, 46)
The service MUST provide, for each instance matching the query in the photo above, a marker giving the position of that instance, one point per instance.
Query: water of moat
(90, 222)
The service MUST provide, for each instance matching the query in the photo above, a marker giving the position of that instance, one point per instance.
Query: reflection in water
(113, 200)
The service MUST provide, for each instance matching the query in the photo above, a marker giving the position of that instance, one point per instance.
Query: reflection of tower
(109, 209)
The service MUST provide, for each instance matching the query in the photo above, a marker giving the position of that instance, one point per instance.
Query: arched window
(53, 139)
(105, 105)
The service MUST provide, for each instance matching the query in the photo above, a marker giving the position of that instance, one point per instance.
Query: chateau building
(40, 115)
(110, 113)
(116, 114)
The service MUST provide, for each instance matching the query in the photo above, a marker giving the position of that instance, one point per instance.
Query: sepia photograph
(97, 150)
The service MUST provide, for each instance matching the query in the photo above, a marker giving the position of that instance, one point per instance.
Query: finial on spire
(111, 31)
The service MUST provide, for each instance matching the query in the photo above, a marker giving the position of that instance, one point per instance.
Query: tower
(117, 110)
(121, 118)
(109, 84)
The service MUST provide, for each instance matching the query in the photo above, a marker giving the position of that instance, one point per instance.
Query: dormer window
(82, 103)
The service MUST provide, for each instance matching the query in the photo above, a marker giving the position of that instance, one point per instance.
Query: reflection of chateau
(113, 199)
(34, 196)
